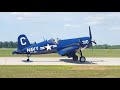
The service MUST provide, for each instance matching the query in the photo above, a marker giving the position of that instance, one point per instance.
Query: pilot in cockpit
(55, 41)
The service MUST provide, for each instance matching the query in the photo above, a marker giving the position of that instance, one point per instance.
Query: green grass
(102, 53)
(59, 71)
(87, 52)
(7, 52)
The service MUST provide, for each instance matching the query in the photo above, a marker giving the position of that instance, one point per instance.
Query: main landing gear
(82, 58)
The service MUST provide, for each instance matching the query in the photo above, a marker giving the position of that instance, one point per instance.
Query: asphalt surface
(57, 61)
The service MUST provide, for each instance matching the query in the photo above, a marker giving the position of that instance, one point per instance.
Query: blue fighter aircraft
(66, 47)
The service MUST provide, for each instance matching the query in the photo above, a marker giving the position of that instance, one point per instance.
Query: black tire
(75, 58)
(82, 59)
(28, 60)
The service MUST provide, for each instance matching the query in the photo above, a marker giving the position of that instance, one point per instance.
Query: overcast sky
(105, 26)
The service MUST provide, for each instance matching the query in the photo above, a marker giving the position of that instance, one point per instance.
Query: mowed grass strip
(102, 53)
(44, 71)
(87, 53)
(7, 52)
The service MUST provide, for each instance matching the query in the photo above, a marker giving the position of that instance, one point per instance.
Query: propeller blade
(90, 33)
(94, 42)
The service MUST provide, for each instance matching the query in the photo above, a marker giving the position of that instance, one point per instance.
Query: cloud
(71, 26)
(115, 14)
(25, 15)
(22, 13)
(115, 29)
(35, 16)
(94, 20)
(20, 18)
(67, 19)
(67, 25)
(13, 13)
(44, 16)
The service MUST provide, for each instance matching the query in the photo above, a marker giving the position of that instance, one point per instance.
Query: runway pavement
(57, 61)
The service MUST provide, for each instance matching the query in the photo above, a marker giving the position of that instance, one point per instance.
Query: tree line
(12, 44)
(106, 46)
(7, 44)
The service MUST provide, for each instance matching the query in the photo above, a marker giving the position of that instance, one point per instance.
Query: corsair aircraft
(66, 47)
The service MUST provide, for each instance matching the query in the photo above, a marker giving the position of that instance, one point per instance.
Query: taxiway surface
(57, 61)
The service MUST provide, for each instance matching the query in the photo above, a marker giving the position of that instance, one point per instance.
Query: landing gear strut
(82, 58)
(28, 55)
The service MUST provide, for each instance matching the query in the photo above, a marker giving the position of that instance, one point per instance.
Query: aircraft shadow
(76, 62)
(38, 61)
(27, 61)
(67, 60)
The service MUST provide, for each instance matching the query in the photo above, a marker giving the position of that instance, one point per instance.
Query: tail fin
(23, 42)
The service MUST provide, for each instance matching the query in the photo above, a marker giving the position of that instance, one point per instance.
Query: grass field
(87, 52)
(59, 71)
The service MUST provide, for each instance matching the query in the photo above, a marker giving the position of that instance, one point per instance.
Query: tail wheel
(28, 60)
(75, 58)
(82, 59)
(28, 55)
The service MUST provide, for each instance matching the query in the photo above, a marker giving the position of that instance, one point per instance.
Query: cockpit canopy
(55, 41)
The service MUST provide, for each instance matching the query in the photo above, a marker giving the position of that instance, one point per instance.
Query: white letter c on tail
(21, 40)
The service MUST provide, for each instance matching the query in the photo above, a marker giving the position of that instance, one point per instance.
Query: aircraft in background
(66, 47)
